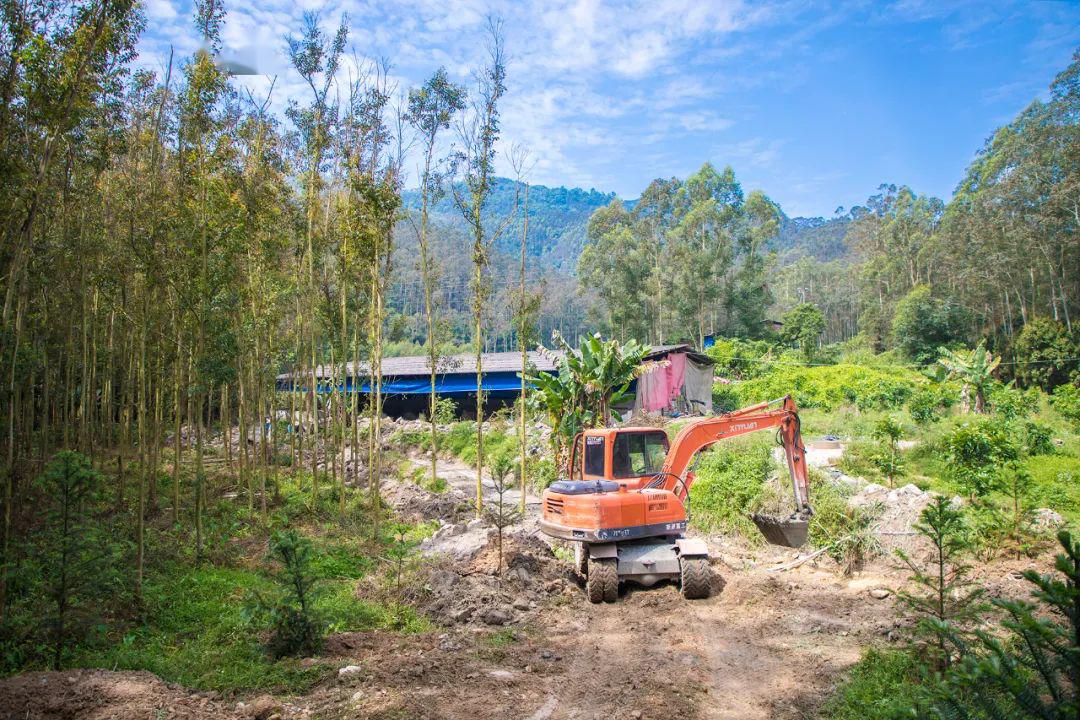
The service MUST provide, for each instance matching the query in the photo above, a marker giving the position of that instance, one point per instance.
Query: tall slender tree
(479, 134)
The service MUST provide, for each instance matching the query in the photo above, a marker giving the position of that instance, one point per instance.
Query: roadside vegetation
(230, 622)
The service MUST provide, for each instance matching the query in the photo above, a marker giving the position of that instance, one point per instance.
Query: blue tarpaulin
(420, 385)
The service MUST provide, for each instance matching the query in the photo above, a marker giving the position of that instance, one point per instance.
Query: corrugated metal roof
(466, 364)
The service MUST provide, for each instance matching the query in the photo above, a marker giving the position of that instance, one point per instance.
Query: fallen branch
(796, 563)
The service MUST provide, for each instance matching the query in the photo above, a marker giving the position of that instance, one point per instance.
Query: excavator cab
(628, 456)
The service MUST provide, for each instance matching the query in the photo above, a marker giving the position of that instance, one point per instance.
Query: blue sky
(815, 103)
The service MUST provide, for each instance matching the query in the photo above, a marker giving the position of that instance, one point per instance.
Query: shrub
(739, 359)
(1046, 356)
(542, 472)
(1038, 438)
(1066, 401)
(925, 406)
(976, 453)
(858, 460)
(828, 387)
(724, 398)
(887, 432)
(1010, 403)
(843, 528)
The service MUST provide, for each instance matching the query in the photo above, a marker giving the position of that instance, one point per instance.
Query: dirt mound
(470, 591)
(900, 509)
(417, 504)
(94, 694)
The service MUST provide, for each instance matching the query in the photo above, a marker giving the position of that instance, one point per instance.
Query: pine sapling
(502, 513)
(295, 627)
(77, 560)
(1032, 668)
(943, 590)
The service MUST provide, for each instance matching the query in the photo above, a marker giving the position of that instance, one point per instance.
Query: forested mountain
(816, 237)
(557, 235)
(557, 218)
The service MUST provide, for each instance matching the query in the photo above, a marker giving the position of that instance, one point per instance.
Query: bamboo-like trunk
(522, 337)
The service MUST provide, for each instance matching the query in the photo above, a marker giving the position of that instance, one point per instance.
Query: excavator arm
(695, 437)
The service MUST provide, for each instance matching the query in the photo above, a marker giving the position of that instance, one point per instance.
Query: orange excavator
(624, 503)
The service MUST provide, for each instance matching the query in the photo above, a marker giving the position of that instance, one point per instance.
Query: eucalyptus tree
(316, 59)
(372, 205)
(431, 109)
(200, 192)
(526, 307)
(58, 74)
(478, 135)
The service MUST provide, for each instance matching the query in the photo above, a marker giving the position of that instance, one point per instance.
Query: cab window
(638, 453)
(594, 456)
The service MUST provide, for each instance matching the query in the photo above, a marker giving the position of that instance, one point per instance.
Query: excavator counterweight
(624, 501)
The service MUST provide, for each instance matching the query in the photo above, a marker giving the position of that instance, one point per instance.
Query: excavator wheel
(694, 576)
(603, 581)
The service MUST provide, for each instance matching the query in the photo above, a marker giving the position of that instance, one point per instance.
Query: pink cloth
(653, 389)
(659, 388)
(676, 374)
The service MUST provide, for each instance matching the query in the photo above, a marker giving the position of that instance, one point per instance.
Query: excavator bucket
(788, 531)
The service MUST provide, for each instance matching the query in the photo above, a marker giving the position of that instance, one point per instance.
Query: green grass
(880, 684)
(199, 633)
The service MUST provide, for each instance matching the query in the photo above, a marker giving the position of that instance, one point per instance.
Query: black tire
(602, 584)
(695, 577)
(581, 558)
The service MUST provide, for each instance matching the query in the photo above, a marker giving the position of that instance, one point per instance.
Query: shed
(406, 381)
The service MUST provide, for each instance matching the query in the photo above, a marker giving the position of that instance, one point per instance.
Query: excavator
(624, 503)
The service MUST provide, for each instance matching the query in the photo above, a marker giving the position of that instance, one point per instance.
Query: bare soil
(529, 646)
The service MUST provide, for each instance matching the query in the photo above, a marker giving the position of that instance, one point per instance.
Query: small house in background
(774, 325)
(684, 386)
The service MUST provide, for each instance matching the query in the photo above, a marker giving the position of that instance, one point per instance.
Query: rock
(1046, 519)
(498, 616)
(873, 489)
(635, 714)
(262, 708)
(357, 696)
(522, 575)
(521, 603)
(547, 654)
(501, 674)
(461, 615)
(880, 593)
(475, 523)
(348, 671)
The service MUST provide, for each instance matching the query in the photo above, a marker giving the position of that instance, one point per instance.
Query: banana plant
(589, 380)
(974, 369)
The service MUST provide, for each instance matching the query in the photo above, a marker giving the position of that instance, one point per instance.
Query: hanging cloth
(653, 390)
(676, 373)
